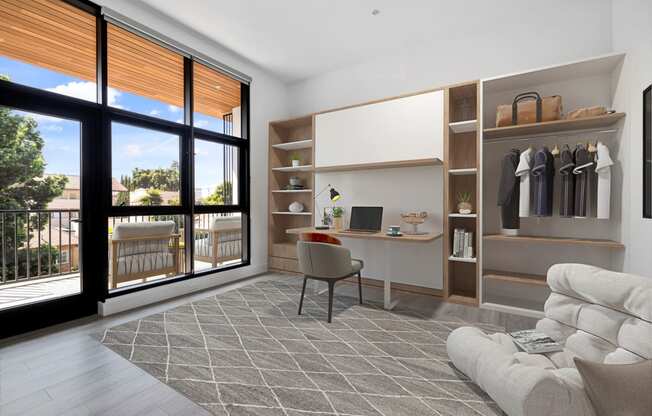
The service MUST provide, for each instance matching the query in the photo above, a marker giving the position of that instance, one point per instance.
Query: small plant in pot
(464, 203)
(295, 159)
(338, 217)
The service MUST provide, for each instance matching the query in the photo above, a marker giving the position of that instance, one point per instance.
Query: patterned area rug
(246, 352)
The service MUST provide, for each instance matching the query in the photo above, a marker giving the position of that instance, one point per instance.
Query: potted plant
(338, 218)
(464, 203)
(295, 159)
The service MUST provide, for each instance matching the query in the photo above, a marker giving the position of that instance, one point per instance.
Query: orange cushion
(320, 238)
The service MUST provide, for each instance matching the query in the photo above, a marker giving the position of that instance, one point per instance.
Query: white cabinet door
(408, 128)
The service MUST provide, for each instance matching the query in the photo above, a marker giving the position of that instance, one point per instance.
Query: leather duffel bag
(528, 108)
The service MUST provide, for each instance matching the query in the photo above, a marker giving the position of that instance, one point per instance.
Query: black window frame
(100, 155)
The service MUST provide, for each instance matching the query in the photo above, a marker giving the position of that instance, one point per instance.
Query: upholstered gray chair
(328, 263)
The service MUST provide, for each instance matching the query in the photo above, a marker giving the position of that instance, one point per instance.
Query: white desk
(420, 238)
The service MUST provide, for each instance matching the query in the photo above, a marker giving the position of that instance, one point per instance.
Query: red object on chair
(320, 238)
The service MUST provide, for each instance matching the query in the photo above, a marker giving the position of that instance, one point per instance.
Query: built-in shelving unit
(287, 139)
(542, 242)
(461, 151)
(558, 126)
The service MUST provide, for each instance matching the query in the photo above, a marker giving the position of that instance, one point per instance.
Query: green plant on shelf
(337, 212)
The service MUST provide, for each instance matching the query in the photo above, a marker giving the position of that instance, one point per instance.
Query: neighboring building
(63, 239)
(167, 197)
(69, 199)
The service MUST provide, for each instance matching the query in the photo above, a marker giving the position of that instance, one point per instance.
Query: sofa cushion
(618, 389)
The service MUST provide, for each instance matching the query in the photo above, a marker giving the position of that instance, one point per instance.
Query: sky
(131, 146)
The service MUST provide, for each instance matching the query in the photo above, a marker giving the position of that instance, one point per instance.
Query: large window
(145, 77)
(49, 45)
(146, 163)
(217, 101)
(165, 193)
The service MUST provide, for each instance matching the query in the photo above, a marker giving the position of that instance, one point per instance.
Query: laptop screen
(366, 218)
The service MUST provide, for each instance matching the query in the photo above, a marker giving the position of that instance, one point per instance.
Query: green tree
(166, 179)
(223, 194)
(152, 197)
(23, 187)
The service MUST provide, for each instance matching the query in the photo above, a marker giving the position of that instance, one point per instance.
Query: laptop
(365, 220)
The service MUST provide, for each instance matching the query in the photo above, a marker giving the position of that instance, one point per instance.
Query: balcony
(39, 251)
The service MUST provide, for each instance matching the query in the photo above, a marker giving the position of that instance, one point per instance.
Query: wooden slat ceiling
(54, 35)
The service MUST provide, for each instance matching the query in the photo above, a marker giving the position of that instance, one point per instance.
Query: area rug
(247, 352)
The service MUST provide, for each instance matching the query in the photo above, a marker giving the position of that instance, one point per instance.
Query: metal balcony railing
(36, 244)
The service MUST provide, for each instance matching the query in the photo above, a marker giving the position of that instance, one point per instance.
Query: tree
(223, 194)
(166, 179)
(152, 197)
(23, 186)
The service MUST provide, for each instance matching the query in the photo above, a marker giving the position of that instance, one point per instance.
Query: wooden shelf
(589, 242)
(518, 278)
(463, 259)
(294, 145)
(422, 238)
(557, 126)
(291, 191)
(291, 213)
(381, 165)
(455, 215)
(302, 168)
(463, 299)
(465, 171)
(463, 126)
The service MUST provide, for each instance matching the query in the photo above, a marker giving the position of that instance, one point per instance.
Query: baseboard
(160, 293)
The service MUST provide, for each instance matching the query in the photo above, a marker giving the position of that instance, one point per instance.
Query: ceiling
(299, 39)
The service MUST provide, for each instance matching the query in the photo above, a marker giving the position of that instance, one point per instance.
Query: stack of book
(462, 243)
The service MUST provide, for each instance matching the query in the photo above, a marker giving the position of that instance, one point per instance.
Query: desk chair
(328, 263)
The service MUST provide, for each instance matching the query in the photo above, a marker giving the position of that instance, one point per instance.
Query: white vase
(296, 207)
(295, 163)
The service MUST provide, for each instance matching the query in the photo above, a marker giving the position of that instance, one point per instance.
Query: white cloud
(133, 150)
(201, 123)
(180, 121)
(173, 108)
(155, 112)
(86, 91)
(52, 127)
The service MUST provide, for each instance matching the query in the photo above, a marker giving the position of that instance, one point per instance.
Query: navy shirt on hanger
(543, 174)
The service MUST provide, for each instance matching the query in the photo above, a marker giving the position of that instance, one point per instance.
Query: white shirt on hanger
(523, 173)
(603, 169)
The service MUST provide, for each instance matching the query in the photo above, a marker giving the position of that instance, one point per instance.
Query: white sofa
(598, 315)
(221, 242)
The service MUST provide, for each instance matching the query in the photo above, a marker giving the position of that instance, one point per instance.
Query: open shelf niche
(515, 266)
(288, 138)
(461, 165)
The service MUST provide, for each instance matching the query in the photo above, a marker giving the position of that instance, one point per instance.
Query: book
(535, 342)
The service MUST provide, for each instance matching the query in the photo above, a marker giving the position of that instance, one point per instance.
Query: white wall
(632, 33)
(268, 102)
(556, 31)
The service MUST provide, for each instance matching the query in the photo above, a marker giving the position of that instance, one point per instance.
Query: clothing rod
(540, 136)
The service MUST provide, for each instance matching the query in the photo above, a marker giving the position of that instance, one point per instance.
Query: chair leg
(331, 289)
(360, 287)
(303, 292)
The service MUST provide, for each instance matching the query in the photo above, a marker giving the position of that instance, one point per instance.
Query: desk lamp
(335, 196)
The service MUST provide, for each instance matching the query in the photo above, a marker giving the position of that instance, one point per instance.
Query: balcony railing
(36, 244)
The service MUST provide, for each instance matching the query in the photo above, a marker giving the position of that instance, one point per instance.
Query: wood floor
(64, 371)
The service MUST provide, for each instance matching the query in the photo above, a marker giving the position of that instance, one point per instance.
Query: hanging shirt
(508, 191)
(603, 169)
(543, 174)
(567, 197)
(523, 173)
(583, 163)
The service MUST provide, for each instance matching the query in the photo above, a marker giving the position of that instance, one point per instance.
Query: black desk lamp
(335, 196)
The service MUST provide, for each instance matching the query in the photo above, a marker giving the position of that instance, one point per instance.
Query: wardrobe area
(551, 189)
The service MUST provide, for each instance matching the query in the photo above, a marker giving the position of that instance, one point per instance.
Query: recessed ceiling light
(375, 12)
(218, 87)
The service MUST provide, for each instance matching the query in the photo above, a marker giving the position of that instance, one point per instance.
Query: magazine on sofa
(535, 342)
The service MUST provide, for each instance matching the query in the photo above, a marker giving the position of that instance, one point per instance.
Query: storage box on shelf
(289, 139)
(461, 150)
